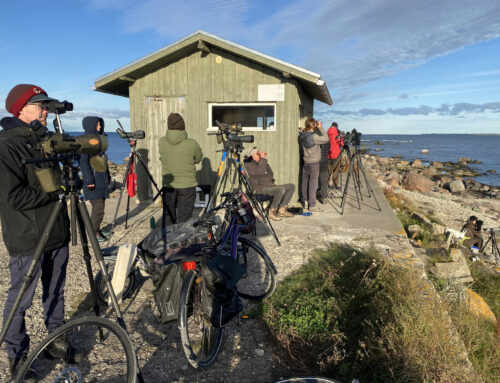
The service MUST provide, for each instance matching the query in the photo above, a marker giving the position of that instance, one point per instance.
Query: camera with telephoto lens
(479, 225)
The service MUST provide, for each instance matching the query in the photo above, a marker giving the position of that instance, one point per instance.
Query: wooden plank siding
(200, 79)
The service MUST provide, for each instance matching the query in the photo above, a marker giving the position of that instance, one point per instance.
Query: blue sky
(392, 66)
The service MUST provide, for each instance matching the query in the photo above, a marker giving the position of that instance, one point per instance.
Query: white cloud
(348, 43)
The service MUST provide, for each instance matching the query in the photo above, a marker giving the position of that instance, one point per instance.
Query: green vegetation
(351, 314)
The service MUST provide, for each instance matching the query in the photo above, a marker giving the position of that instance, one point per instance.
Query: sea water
(442, 148)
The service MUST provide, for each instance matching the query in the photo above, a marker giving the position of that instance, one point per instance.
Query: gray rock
(414, 181)
(456, 186)
(492, 171)
(456, 271)
(422, 218)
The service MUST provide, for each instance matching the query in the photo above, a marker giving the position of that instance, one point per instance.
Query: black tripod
(495, 251)
(132, 161)
(81, 223)
(236, 173)
(356, 168)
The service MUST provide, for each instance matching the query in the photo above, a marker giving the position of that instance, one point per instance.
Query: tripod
(355, 159)
(81, 223)
(231, 160)
(495, 251)
(133, 155)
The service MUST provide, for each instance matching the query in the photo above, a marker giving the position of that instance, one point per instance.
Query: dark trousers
(474, 241)
(282, 194)
(52, 267)
(334, 169)
(97, 212)
(178, 205)
(310, 182)
(323, 180)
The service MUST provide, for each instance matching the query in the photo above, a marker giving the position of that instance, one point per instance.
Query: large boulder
(416, 163)
(455, 271)
(414, 181)
(456, 186)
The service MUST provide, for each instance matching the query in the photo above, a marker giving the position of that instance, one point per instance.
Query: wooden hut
(207, 78)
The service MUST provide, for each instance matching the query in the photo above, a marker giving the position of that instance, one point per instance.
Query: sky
(391, 66)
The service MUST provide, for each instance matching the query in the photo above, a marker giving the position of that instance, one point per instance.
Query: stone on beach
(425, 151)
(456, 186)
(414, 181)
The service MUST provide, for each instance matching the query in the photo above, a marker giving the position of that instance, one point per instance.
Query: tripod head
(231, 136)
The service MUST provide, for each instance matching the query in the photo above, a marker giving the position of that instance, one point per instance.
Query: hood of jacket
(306, 139)
(14, 126)
(89, 125)
(175, 137)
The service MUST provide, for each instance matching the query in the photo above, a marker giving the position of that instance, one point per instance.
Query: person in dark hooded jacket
(179, 156)
(95, 184)
(25, 208)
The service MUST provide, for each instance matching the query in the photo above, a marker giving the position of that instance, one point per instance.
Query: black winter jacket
(24, 207)
(260, 173)
(89, 175)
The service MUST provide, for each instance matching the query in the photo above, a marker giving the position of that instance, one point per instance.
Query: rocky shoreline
(441, 190)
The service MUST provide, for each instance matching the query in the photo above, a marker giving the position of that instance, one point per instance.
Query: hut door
(156, 112)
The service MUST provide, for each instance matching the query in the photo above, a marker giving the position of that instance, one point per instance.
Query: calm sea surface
(442, 147)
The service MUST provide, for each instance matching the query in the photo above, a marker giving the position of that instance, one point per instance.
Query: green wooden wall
(198, 79)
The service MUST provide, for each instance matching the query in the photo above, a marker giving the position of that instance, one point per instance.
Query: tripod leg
(213, 192)
(36, 258)
(126, 213)
(84, 216)
(150, 176)
(127, 171)
(368, 187)
(86, 252)
(256, 204)
(346, 187)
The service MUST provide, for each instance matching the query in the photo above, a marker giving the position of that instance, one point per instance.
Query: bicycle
(101, 344)
(201, 338)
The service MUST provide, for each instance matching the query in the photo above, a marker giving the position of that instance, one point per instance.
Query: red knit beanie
(20, 95)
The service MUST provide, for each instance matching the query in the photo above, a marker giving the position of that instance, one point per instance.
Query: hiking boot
(60, 348)
(283, 211)
(315, 209)
(273, 214)
(100, 237)
(16, 364)
(105, 234)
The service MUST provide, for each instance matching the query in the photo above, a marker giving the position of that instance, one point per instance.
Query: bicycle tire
(201, 341)
(102, 289)
(95, 355)
(259, 280)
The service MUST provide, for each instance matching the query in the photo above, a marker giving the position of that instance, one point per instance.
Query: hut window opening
(252, 117)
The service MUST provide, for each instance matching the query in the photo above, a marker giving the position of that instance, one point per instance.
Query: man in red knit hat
(24, 211)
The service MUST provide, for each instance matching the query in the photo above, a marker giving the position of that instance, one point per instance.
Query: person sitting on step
(262, 180)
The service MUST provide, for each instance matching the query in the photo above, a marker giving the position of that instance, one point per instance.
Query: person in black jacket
(262, 179)
(24, 211)
(95, 184)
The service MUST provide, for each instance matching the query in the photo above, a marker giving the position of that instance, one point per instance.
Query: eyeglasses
(39, 105)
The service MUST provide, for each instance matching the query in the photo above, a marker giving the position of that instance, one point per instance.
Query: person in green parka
(179, 156)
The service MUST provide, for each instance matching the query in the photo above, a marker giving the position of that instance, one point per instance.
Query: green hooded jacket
(179, 155)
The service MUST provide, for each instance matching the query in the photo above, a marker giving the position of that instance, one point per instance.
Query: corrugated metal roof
(117, 82)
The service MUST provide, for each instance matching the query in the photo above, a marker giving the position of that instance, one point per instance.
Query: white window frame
(248, 129)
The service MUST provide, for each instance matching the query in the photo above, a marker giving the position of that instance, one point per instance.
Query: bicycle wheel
(259, 280)
(200, 340)
(102, 352)
(102, 289)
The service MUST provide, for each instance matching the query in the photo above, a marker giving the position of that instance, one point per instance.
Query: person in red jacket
(334, 154)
